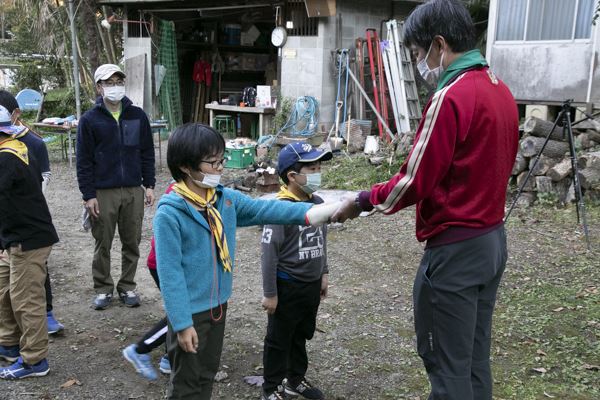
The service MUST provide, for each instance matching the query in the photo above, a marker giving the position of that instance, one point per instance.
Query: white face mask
(114, 93)
(313, 183)
(431, 76)
(209, 181)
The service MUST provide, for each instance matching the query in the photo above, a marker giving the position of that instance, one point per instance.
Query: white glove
(321, 213)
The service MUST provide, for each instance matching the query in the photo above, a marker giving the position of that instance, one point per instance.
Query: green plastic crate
(239, 158)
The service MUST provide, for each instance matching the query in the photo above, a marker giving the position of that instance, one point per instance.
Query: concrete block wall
(310, 72)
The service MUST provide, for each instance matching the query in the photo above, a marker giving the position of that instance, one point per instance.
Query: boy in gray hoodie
(294, 269)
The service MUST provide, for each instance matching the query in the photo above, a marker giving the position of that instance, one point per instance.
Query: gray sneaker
(102, 301)
(129, 298)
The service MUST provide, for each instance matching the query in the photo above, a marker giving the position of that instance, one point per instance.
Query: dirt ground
(364, 347)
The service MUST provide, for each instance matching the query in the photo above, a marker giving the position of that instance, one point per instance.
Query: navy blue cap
(300, 152)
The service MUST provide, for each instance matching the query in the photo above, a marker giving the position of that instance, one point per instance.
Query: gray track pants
(454, 296)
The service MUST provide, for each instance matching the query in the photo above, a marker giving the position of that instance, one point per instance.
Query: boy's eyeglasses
(112, 83)
(217, 163)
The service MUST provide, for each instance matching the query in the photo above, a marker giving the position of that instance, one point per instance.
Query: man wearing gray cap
(115, 172)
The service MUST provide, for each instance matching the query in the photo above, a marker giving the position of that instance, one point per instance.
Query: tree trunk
(87, 18)
(589, 160)
(593, 135)
(540, 128)
(531, 146)
(530, 185)
(543, 165)
(109, 36)
(589, 178)
(520, 164)
(589, 124)
(560, 171)
(544, 184)
(583, 142)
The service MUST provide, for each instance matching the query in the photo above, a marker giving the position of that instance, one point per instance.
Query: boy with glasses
(115, 158)
(195, 236)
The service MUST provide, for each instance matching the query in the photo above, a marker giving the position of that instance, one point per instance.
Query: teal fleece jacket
(185, 251)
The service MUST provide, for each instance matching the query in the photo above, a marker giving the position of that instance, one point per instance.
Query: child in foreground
(295, 278)
(195, 228)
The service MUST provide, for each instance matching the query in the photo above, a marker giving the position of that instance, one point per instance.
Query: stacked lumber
(552, 173)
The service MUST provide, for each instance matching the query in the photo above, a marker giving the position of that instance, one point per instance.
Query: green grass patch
(547, 335)
(356, 173)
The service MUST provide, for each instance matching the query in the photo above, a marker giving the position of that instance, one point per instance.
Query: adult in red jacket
(456, 174)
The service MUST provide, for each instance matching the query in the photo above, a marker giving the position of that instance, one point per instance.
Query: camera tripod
(563, 116)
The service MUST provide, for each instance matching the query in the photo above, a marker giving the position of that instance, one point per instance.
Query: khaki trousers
(122, 207)
(23, 302)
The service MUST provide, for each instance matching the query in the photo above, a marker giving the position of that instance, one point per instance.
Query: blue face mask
(313, 183)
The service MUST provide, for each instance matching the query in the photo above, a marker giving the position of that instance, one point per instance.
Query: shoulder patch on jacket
(228, 203)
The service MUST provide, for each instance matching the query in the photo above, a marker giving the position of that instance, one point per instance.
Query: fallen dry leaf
(70, 383)
(541, 370)
(559, 309)
(541, 352)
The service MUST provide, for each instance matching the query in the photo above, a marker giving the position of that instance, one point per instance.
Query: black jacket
(111, 154)
(24, 215)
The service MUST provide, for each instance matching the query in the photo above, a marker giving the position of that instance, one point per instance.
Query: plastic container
(233, 34)
(239, 157)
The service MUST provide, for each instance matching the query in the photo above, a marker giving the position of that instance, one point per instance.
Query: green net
(169, 95)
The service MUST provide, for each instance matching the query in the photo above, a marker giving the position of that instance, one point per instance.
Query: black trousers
(454, 296)
(288, 329)
(192, 375)
(157, 335)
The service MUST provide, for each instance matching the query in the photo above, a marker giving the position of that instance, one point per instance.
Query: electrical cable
(302, 121)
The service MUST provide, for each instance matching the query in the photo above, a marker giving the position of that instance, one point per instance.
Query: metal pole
(366, 96)
(75, 58)
(75, 76)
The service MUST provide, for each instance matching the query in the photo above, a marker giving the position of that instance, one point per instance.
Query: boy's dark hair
(191, 143)
(296, 168)
(447, 18)
(8, 101)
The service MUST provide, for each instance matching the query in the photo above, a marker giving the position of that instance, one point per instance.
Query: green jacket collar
(470, 59)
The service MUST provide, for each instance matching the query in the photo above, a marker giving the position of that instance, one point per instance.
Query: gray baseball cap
(105, 71)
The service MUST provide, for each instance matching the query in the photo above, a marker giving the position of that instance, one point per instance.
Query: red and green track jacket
(458, 169)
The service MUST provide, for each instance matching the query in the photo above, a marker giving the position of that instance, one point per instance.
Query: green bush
(61, 103)
(356, 173)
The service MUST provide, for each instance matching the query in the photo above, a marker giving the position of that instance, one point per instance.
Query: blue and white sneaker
(164, 365)
(10, 353)
(53, 325)
(141, 362)
(101, 301)
(20, 370)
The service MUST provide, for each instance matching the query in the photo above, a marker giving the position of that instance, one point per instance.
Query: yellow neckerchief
(16, 147)
(285, 194)
(213, 217)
